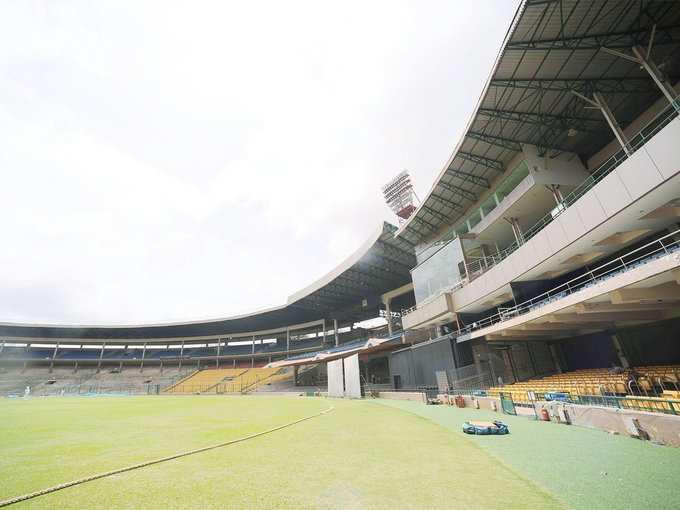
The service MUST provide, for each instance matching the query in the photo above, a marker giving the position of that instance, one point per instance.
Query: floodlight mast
(400, 196)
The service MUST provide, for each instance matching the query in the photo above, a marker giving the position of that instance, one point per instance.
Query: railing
(656, 249)
(529, 398)
(665, 116)
(84, 390)
(635, 403)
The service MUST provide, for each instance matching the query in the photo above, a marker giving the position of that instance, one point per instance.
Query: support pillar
(643, 59)
(101, 355)
(335, 332)
(75, 367)
(651, 68)
(54, 355)
(388, 315)
(181, 355)
(217, 359)
(555, 358)
(287, 342)
(623, 359)
(599, 103)
(141, 367)
(252, 354)
(2, 346)
(556, 193)
(324, 332)
(516, 230)
(532, 361)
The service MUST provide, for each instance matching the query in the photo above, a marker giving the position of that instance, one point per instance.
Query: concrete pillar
(141, 367)
(623, 359)
(335, 332)
(599, 102)
(101, 355)
(613, 123)
(555, 358)
(54, 355)
(643, 58)
(75, 367)
(532, 361)
(252, 354)
(388, 315)
(516, 230)
(181, 354)
(287, 342)
(217, 359)
(324, 331)
(556, 193)
(649, 66)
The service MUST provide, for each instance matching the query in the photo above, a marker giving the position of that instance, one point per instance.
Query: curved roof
(552, 47)
(351, 291)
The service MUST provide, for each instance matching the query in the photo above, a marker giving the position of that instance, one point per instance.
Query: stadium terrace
(539, 276)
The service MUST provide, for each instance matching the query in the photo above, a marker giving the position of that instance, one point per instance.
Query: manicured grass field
(363, 454)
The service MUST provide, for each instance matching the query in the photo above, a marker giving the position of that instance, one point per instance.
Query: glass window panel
(438, 272)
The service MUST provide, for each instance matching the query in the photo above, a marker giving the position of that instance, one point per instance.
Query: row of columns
(336, 338)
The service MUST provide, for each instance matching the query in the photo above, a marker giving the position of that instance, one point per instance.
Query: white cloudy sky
(179, 160)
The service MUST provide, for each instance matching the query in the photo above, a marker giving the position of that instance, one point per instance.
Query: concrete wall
(662, 428)
(565, 170)
(436, 308)
(403, 395)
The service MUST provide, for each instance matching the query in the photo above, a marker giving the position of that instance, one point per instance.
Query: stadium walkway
(585, 468)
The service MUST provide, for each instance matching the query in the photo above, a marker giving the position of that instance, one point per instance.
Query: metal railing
(635, 403)
(524, 398)
(651, 251)
(660, 120)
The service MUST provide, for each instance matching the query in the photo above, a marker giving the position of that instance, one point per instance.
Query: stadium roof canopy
(552, 48)
(350, 292)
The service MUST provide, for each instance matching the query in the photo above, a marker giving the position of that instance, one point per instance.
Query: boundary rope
(55, 488)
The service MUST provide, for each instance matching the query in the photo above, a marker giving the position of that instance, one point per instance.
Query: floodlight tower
(400, 196)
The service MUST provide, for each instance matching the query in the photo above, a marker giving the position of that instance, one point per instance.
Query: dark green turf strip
(586, 468)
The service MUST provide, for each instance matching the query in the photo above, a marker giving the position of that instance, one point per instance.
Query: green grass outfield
(363, 454)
